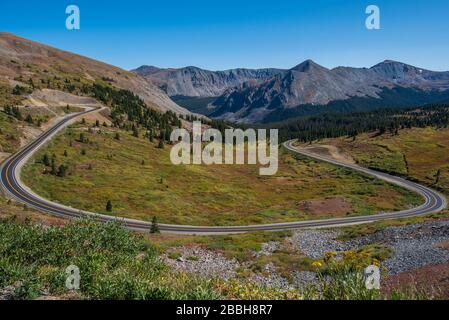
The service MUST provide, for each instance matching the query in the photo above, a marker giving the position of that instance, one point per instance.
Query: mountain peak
(391, 61)
(308, 66)
(388, 63)
(146, 70)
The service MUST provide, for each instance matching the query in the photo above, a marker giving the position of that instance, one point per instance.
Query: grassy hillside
(39, 66)
(6, 95)
(140, 181)
(9, 133)
(420, 153)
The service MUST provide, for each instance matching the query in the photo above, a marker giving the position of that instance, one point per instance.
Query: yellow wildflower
(329, 255)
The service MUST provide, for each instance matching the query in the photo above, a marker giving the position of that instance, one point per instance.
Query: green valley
(136, 175)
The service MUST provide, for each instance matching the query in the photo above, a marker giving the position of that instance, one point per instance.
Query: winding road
(11, 184)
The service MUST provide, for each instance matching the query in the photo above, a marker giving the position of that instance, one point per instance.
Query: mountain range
(265, 95)
(196, 82)
(238, 95)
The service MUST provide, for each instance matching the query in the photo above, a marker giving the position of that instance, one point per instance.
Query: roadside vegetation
(418, 153)
(351, 232)
(117, 264)
(113, 263)
(9, 133)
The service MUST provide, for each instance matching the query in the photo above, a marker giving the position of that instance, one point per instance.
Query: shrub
(114, 263)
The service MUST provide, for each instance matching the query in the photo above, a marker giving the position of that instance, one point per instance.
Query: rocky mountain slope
(409, 76)
(26, 62)
(313, 85)
(196, 82)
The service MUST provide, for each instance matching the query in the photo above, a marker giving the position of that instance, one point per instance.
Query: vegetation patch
(135, 174)
(355, 231)
(113, 263)
(9, 133)
(418, 153)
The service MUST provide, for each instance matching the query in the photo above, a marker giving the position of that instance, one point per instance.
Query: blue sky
(218, 34)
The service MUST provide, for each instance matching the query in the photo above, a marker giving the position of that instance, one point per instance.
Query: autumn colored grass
(9, 133)
(419, 153)
(140, 181)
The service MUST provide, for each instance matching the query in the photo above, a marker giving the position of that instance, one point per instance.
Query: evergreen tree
(109, 206)
(18, 90)
(62, 170)
(53, 167)
(29, 119)
(46, 160)
(135, 132)
(437, 177)
(154, 226)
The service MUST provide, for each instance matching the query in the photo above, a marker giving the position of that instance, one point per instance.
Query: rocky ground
(7, 293)
(414, 246)
(315, 243)
(207, 263)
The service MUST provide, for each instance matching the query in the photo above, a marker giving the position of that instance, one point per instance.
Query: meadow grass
(6, 96)
(141, 182)
(9, 133)
(419, 153)
(113, 263)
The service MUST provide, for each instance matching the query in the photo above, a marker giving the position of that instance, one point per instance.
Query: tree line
(333, 125)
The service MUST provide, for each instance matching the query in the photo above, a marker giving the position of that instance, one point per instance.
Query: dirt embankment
(52, 103)
(330, 151)
(431, 280)
(326, 206)
(3, 156)
(54, 98)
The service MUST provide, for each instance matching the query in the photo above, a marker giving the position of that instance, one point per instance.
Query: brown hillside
(22, 57)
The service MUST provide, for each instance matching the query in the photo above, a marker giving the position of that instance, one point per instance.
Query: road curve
(11, 184)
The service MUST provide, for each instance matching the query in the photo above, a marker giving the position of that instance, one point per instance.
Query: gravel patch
(302, 279)
(315, 243)
(7, 293)
(272, 280)
(414, 245)
(204, 262)
(267, 249)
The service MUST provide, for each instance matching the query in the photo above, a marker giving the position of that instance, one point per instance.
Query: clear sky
(223, 34)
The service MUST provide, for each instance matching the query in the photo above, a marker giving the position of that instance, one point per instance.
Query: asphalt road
(14, 188)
